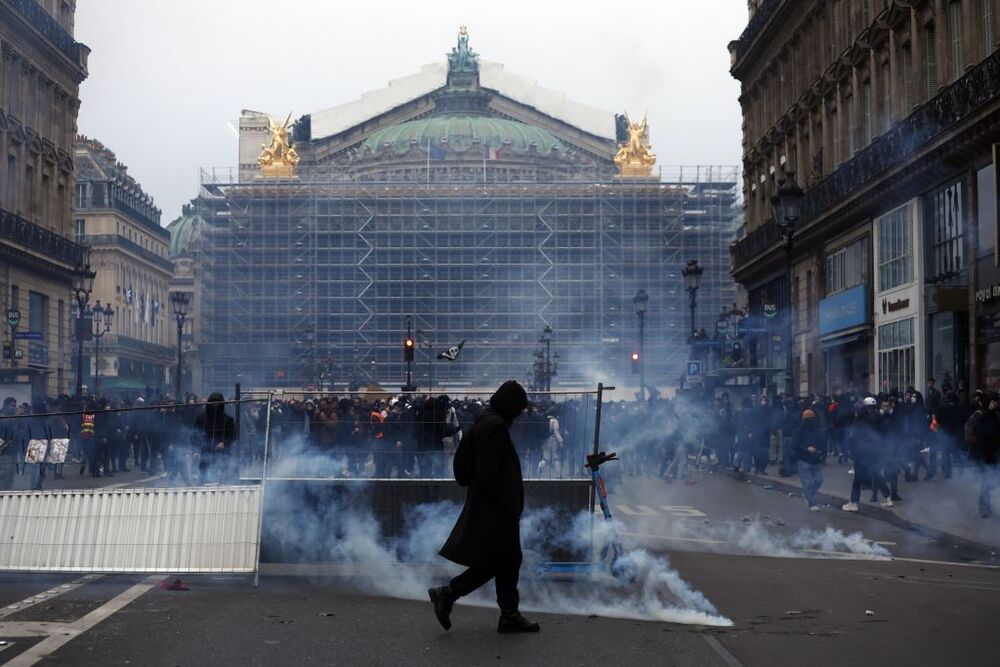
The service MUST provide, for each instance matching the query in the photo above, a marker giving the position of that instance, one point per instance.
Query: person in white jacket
(552, 446)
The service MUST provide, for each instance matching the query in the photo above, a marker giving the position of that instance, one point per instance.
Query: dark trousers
(508, 598)
(863, 473)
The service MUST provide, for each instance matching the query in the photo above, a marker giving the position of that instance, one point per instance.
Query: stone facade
(129, 250)
(41, 68)
(885, 113)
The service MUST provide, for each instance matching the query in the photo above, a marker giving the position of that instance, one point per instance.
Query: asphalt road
(797, 587)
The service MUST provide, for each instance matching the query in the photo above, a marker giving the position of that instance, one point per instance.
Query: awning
(837, 341)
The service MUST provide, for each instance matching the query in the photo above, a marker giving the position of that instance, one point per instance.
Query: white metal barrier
(205, 529)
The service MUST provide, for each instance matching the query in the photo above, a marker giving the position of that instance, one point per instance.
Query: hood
(216, 406)
(510, 400)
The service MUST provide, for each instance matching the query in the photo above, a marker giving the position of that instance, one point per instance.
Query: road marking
(675, 539)
(67, 631)
(679, 511)
(45, 596)
(726, 656)
(945, 562)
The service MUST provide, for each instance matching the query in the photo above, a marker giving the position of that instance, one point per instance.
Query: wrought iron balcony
(43, 22)
(951, 107)
(28, 235)
(755, 26)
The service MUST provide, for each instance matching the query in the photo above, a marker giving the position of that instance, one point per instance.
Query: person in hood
(810, 450)
(487, 536)
(217, 432)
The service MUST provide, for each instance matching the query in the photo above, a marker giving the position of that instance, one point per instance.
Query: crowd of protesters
(882, 437)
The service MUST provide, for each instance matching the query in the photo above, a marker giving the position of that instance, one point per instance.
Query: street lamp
(787, 205)
(180, 303)
(692, 281)
(547, 339)
(640, 301)
(103, 317)
(82, 286)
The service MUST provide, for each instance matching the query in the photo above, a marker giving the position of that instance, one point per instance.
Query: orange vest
(87, 426)
(376, 419)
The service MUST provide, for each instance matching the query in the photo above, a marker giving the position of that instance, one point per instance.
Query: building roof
(461, 133)
(96, 163)
(184, 230)
(492, 76)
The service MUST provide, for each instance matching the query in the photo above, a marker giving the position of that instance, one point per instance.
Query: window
(944, 222)
(79, 230)
(989, 42)
(886, 81)
(896, 367)
(852, 124)
(930, 60)
(11, 195)
(866, 113)
(986, 210)
(38, 305)
(955, 23)
(895, 248)
(847, 267)
(907, 57)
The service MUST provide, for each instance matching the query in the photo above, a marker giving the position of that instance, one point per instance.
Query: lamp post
(787, 205)
(640, 301)
(83, 285)
(692, 281)
(180, 303)
(103, 317)
(547, 339)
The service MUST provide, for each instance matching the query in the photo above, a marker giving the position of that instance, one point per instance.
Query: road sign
(770, 310)
(28, 335)
(13, 317)
(694, 368)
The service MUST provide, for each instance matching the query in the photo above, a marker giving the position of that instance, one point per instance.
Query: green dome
(183, 231)
(462, 133)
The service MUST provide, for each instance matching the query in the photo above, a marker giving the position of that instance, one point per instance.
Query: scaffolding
(314, 277)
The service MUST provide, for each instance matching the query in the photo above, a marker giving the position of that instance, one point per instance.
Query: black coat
(986, 437)
(487, 534)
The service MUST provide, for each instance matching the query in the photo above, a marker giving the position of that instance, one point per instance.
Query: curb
(878, 513)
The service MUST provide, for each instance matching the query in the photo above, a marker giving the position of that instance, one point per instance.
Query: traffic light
(408, 346)
(635, 363)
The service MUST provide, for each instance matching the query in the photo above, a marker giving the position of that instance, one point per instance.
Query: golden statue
(278, 158)
(635, 158)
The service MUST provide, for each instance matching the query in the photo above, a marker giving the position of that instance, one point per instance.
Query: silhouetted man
(487, 536)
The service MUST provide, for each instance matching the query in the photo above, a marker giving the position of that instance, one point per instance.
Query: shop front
(845, 339)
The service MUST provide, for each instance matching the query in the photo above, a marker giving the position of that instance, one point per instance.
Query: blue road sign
(28, 335)
(693, 368)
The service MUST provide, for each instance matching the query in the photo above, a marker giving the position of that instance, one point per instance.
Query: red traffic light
(409, 342)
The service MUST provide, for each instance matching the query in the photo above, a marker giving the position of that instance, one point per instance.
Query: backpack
(971, 425)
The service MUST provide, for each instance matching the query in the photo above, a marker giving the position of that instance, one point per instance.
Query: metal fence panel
(209, 529)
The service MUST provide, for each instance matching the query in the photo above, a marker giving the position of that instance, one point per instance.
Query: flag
(128, 295)
(490, 153)
(156, 311)
(147, 308)
(451, 354)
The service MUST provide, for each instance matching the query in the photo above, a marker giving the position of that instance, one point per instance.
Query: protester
(865, 452)
(217, 432)
(810, 450)
(486, 538)
(985, 441)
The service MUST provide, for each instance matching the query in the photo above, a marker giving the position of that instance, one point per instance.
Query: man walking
(487, 536)
(985, 432)
(810, 449)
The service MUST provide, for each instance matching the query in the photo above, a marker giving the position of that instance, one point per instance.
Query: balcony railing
(952, 106)
(43, 22)
(755, 26)
(28, 235)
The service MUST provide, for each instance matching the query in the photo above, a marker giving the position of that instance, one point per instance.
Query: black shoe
(516, 623)
(443, 600)
(896, 498)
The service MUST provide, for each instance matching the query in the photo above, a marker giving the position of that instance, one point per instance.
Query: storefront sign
(770, 310)
(987, 294)
(843, 311)
(893, 306)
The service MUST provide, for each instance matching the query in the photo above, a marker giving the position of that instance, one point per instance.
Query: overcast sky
(169, 77)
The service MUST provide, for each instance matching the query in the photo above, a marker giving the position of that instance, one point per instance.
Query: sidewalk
(940, 508)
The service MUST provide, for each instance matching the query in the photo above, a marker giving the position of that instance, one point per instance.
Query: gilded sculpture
(278, 157)
(635, 158)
